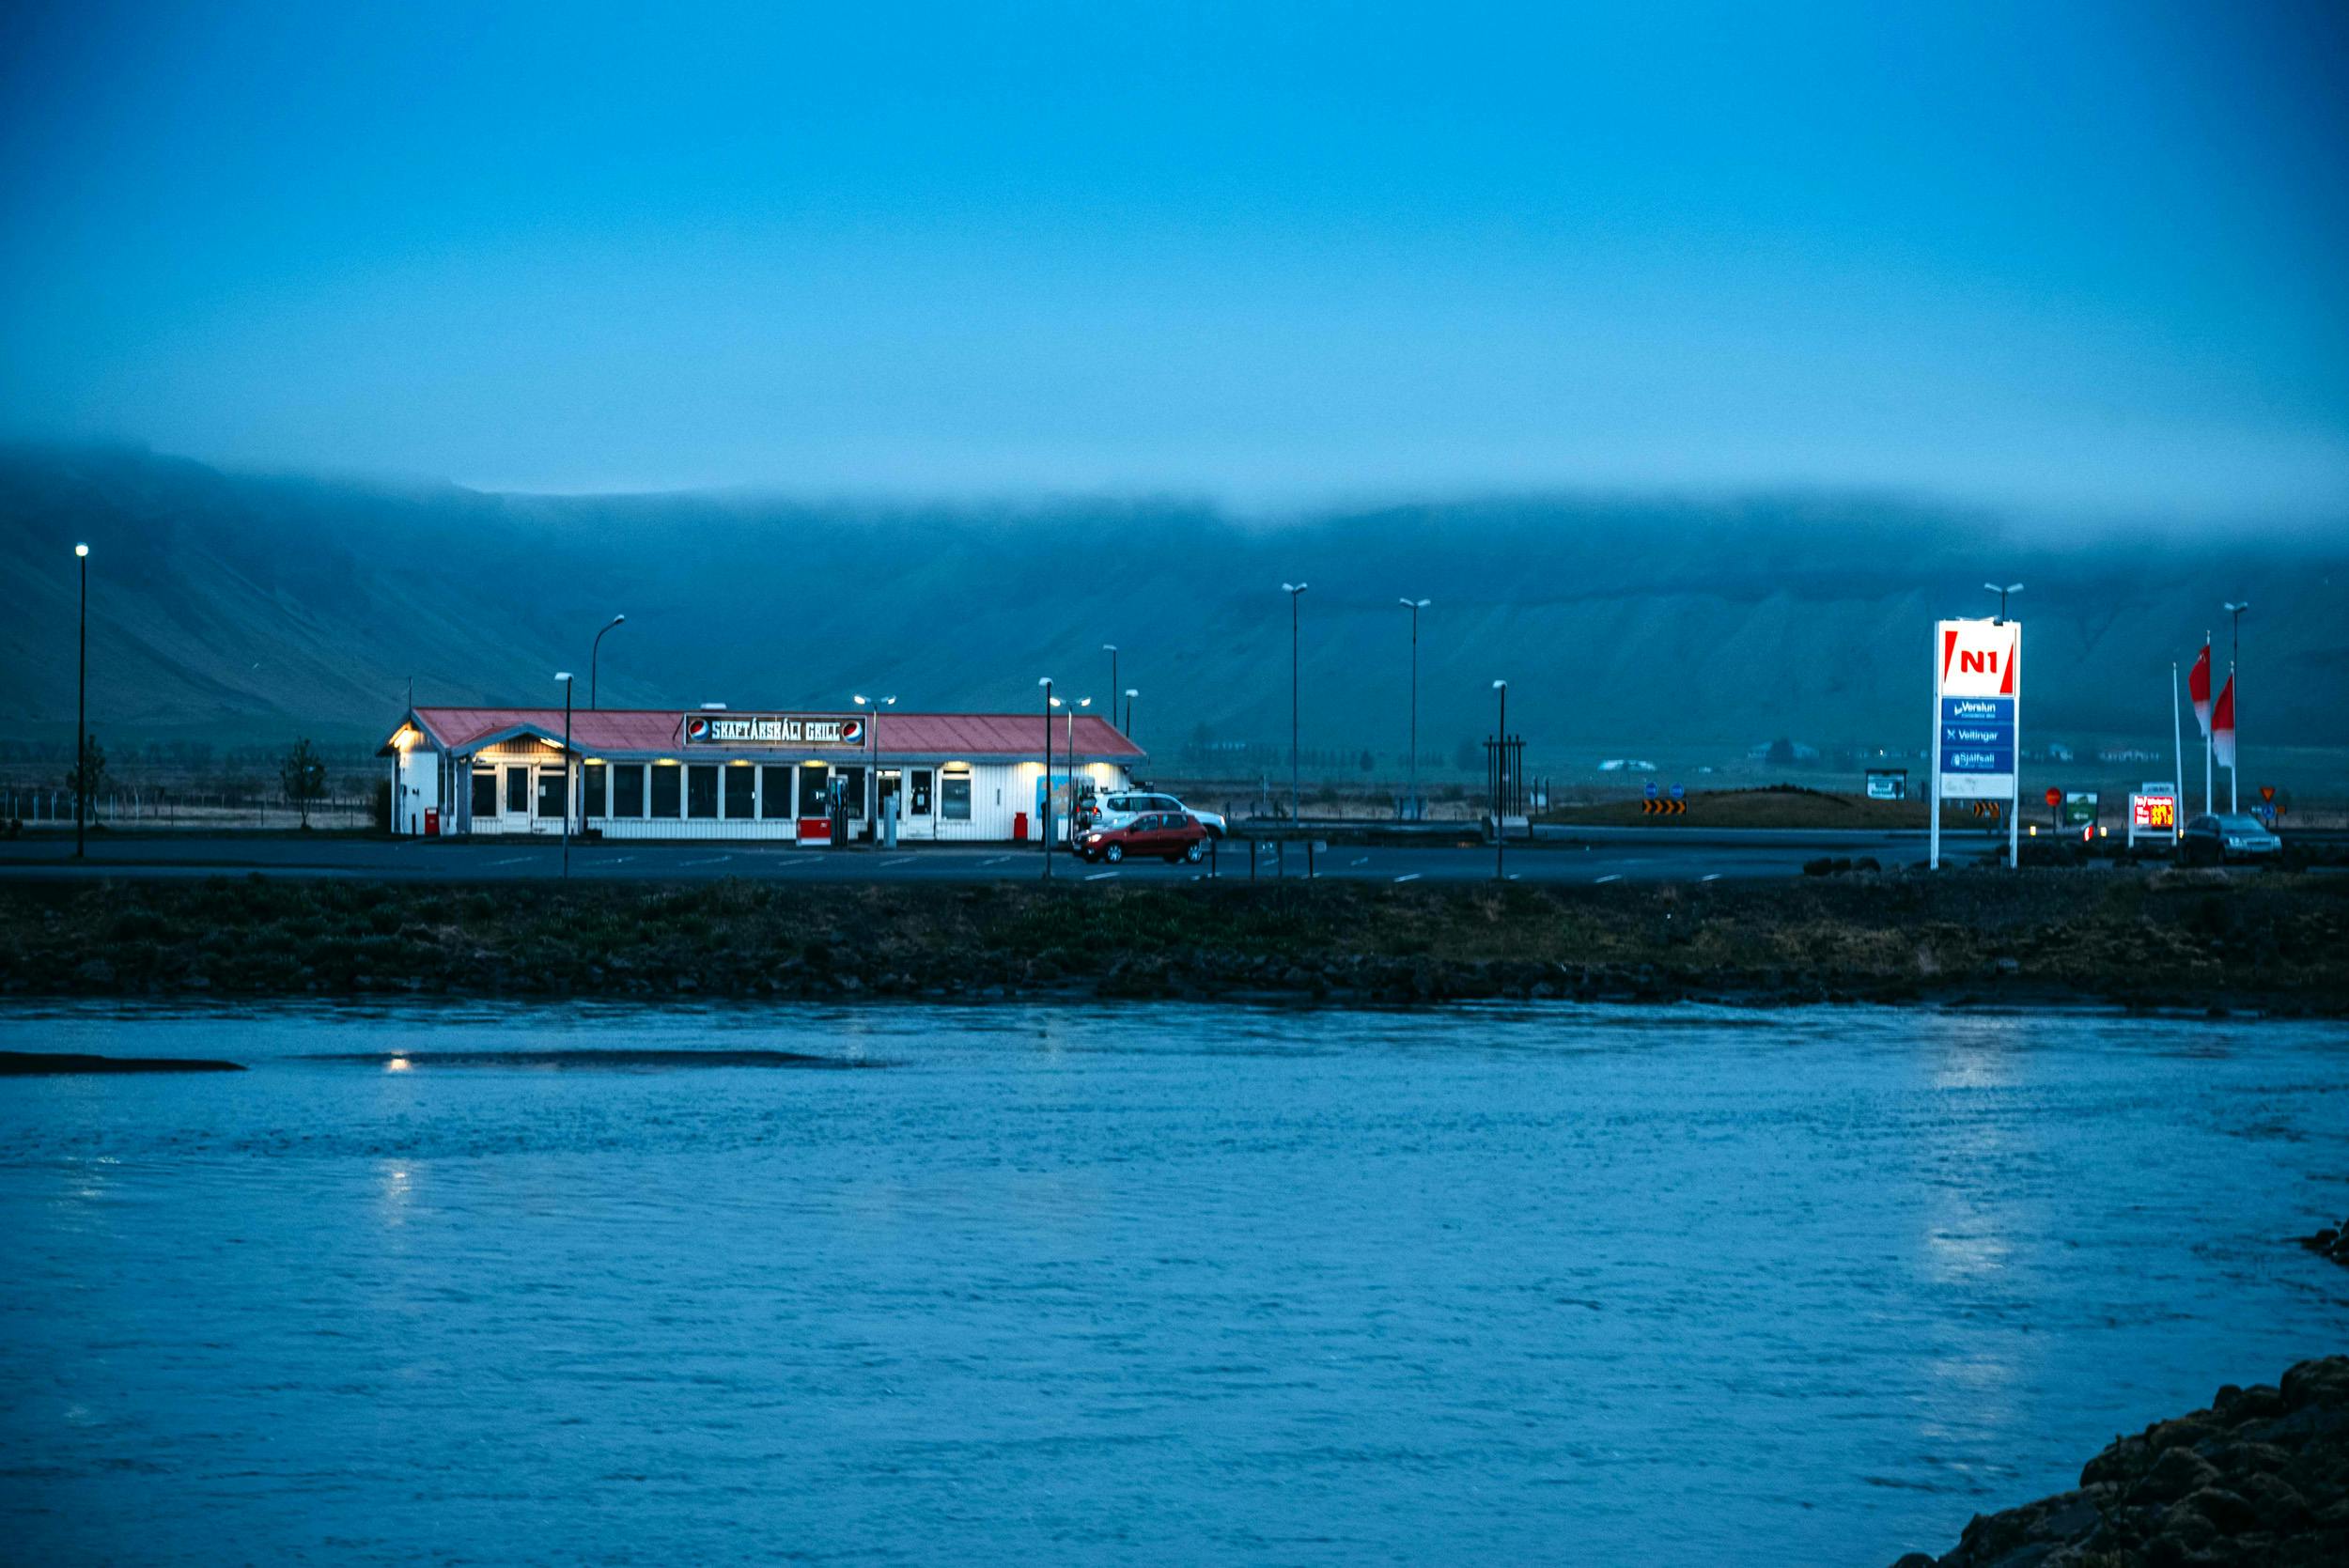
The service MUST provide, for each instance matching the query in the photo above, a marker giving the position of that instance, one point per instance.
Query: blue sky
(2064, 257)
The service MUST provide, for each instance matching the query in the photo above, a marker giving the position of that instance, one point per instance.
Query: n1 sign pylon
(1977, 720)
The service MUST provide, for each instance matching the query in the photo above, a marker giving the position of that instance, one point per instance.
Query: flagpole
(2177, 727)
(2209, 741)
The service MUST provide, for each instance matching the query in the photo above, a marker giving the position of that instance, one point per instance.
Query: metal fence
(136, 807)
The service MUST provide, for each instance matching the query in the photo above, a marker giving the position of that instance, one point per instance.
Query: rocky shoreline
(2259, 1479)
(2166, 939)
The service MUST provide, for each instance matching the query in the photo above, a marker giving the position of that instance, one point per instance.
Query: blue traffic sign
(1651, 789)
(1978, 759)
(1678, 792)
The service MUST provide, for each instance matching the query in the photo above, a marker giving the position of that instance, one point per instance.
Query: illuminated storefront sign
(846, 730)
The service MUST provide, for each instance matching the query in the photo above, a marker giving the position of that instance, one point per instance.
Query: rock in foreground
(2260, 1478)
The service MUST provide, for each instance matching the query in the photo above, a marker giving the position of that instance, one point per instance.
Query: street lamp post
(1081, 702)
(1044, 802)
(568, 687)
(81, 712)
(2002, 590)
(1130, 695)
(1110, 648)
(1293, 590)
(872, 737)
(1500, 764)
(593, 650)
(1414, 606)
(2235, 678)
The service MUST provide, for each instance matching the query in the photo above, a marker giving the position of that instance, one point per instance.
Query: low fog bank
(247, 607)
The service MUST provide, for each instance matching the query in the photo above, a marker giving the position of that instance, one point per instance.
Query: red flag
(2198, 688)
(2222, 725)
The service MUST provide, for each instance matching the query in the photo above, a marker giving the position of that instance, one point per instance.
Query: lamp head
(1045, 680)
(1109, 647)
(1501, 686)
(1132, 692)
(1294, 587)
(563, 674)
(81, 549)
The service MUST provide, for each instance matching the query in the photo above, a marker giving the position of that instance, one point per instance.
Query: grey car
(2214, 840)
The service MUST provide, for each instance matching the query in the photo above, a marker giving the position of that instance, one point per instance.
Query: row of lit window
(707, 791)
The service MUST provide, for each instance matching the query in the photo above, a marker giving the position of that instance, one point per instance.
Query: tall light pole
(1414, 606)
(1044, 804)
(81, 712)
(1130, 695)
(1293, 590)
(2002, 590)
(1110, 648)
(872, 737)
(1500, 764)
(1081, 702)
(568, 687)
(2235, 678)
(593, 649)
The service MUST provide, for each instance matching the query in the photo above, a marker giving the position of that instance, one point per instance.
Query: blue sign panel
(1977, 734)
(1651, 789)
(1978, 759)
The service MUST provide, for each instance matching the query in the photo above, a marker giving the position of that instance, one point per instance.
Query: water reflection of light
(397, 1065)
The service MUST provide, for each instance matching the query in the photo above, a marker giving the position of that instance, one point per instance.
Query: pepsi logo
(696, 729)
(852, 730)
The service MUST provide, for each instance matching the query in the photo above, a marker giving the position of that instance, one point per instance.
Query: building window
(741, 786)
(814, 779)
(918, 792)
(954, 796)
(551, 791)
(592, 787)
(628, 789)
(701, 789)
(774, 790)
(516, 790)
(485, 792)
(668, 786)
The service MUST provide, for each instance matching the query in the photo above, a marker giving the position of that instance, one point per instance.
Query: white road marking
(901, 859)
(1408, 877)
(710, 860)
(995, 860)
(511, 860)
(1714, 877)
(1099, 875)
(619, 860)
(1616, 878)
(1360, 860)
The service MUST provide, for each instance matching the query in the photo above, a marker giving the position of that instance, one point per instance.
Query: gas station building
(718, 773)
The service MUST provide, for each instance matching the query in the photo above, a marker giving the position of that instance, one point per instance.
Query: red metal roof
(943, 737)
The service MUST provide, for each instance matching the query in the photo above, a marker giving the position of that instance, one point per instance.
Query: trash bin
(432, 822)
(1019, 827)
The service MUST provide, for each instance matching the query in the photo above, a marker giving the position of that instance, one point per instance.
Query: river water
(1142, 1283)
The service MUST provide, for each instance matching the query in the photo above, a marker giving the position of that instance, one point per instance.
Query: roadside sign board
(2079, 808)
(1651, 789)
(2152, 814)
(1888, 784)
(1679, 793)
(2267, 792)
(1976, 719)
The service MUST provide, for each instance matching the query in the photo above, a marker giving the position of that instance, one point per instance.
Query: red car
(1171, 835)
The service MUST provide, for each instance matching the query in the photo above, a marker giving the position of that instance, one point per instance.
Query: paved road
(1630, 856)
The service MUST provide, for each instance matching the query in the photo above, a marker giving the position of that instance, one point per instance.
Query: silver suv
(1116, 808)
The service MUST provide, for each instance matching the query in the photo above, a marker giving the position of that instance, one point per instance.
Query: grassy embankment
(2161, 939)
